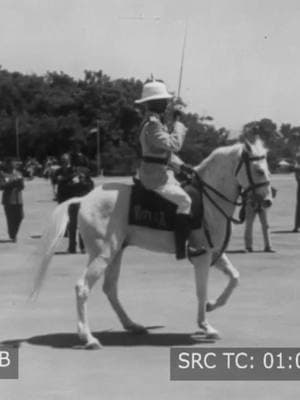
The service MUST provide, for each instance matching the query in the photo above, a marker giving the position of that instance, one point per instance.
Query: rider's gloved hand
(187, 169)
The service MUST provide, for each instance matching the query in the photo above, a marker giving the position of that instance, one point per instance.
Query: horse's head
(253, 174)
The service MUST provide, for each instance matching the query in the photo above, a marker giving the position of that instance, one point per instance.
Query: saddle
(149, 209)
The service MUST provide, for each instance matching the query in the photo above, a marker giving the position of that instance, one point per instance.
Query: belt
(155, 160)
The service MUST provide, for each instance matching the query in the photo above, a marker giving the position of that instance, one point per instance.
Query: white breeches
(173, 192)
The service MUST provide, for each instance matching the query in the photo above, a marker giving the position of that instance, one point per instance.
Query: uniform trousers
(251, 213)
(173, 192)
(14, 214)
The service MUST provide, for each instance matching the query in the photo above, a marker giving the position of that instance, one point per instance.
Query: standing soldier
(82, 185)
(63, 177)
(12, 184)
(297, 176)
(77, 158)
(253, 208)
(158, 161)
(72, 181)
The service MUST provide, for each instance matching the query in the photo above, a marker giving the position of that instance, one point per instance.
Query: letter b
(4, 359)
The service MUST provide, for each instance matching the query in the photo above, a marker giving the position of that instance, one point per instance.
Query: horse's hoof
(213, 335)
(137, 329)
(93, 345)
(208, 332)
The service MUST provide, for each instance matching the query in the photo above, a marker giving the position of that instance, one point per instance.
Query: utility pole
(17, 137)
(182, 58)
(98, 148)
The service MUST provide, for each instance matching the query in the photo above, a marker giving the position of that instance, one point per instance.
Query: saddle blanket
(149, 209)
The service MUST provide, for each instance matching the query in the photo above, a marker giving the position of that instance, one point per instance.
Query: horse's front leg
(110, 288)
(224, 264)
(201, 268)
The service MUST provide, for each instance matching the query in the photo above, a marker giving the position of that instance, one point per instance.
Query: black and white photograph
(150, 199)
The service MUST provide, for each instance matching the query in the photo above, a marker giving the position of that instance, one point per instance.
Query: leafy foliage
(47, 111)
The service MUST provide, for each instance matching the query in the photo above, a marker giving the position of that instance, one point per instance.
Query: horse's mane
(257, 149)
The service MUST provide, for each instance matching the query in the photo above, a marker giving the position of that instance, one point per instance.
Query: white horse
(103, 224)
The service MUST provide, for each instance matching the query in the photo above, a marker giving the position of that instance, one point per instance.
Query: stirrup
(192, 252)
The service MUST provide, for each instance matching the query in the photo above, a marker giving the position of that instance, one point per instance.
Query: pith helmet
(154, 90)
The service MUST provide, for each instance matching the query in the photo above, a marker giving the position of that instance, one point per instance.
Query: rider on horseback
(159, 161)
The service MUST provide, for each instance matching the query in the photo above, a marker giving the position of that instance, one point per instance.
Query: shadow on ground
(244, 251)
(284, 232)
(6, 241)
(111, 338)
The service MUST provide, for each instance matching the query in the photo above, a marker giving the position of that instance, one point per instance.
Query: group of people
(72, 178)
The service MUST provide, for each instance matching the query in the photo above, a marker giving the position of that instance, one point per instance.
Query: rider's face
(158, 106)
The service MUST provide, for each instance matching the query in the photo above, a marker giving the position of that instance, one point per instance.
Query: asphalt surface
(158, 292)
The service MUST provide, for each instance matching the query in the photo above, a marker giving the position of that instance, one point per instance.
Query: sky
(242, 57)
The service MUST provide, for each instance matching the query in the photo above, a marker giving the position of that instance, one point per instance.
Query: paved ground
(157, 292)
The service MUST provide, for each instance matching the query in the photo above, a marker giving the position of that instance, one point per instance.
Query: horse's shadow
(111, 338)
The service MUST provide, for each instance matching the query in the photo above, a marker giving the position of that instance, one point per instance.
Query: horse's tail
(49, 242)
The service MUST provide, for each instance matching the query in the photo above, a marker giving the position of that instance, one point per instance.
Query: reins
(203, 186)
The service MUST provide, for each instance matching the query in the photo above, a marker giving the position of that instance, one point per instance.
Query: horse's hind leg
(224, 265)
(110, 288)
(92, 273)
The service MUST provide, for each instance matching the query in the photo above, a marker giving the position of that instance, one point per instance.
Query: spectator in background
(72, 181)
(63, 177)
(12, 184)
(77, 158)
(253, 208)
(82, 184)
(297, 176)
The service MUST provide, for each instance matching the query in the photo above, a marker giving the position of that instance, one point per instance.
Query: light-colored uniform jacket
(157, 142)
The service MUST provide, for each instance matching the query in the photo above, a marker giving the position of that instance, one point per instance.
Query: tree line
(39, 115)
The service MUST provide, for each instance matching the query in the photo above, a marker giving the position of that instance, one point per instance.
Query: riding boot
(182, 232)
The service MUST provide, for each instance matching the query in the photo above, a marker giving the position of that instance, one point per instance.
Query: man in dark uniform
(77, 158)
(63, 178)
(82, 184)
(12, 184)
(72, 181)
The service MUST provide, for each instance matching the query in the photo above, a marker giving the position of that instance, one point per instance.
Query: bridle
(205, 188)
(247, 159)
